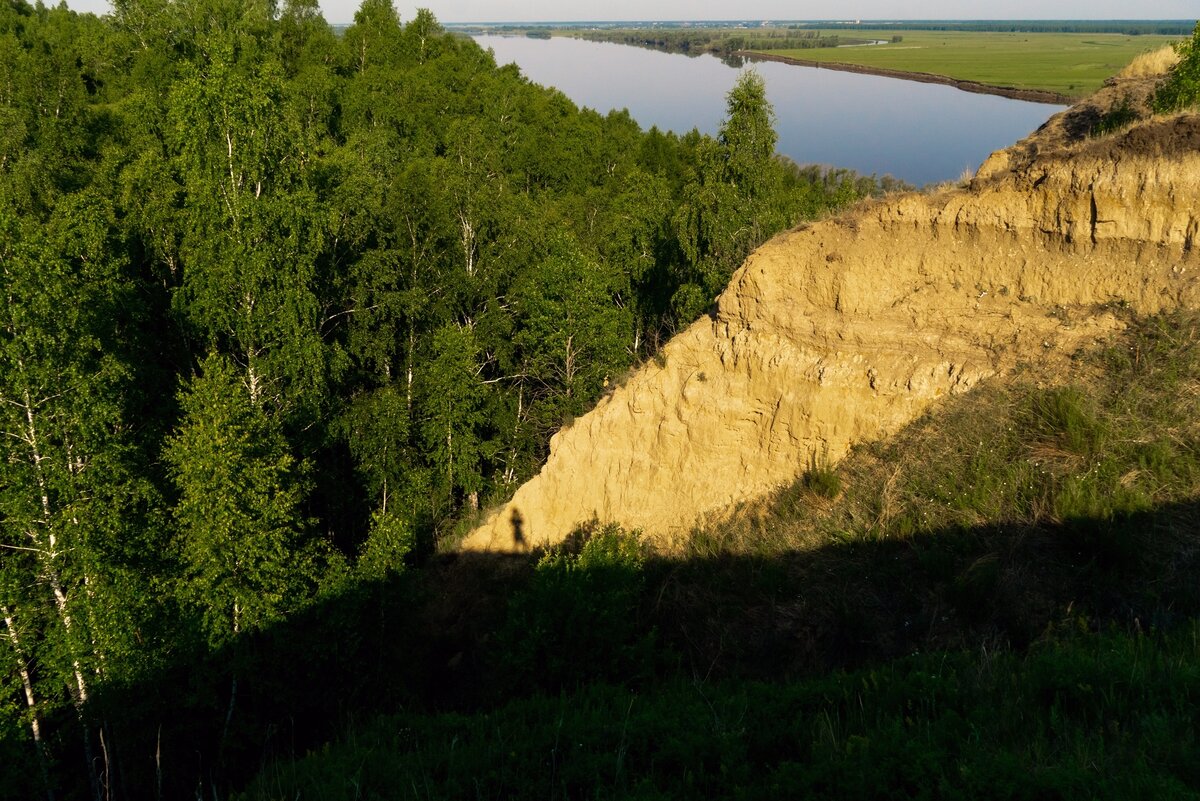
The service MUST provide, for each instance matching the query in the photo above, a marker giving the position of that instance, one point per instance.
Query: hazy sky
(524, 10)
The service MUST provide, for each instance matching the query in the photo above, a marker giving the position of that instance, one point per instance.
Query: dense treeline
(1126, 27)
(694, 41)
(281, 306)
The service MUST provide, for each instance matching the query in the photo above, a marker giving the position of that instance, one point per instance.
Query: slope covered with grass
(1001, 601)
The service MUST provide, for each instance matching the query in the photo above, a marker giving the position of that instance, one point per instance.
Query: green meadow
(1072, 64)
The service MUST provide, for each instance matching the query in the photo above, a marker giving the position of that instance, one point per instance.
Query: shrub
(577, 620)
(1115, 119)
(1182, 87)
(388, 545)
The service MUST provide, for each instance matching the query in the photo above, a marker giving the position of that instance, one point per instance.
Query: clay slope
(843, 331)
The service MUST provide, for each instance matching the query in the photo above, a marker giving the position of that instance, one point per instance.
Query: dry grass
(990, 518)
(1001, 455)
(1152, 64)
(961, 182)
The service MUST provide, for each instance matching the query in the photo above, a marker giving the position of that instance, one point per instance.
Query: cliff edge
(843, 331)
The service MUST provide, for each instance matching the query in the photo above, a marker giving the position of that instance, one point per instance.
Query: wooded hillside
(281, 306)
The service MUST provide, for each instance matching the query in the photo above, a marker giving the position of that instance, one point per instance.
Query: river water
(921, 133)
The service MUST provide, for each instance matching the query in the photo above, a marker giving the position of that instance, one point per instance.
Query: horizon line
(839, 20)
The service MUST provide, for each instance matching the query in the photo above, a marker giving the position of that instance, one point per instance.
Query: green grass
(1085, 717)
(1000, 602)
(821, 478)
(1070, 64)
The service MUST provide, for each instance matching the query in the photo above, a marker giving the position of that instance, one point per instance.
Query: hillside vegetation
(999, 602)
(281, 307)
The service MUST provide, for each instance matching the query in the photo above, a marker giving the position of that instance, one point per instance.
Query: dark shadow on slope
(850, 604)
(471, 631)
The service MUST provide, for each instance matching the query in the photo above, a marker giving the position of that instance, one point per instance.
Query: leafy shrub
(1182, 87)
(577, 620)
(388, 545)
(1115, 119)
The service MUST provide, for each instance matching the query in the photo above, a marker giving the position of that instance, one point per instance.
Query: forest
(285, 309)
(720, 42)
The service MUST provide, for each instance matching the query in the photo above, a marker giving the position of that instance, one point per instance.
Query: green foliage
(748, 137)
(732, 204)
(389, 543)
(456, 399)
(245, 559)
(577, 620)
(572, 332)
(1115, 119)
(376, 427)
(1182, 86)
(1103, 716)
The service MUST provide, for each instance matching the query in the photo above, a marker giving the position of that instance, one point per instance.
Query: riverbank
(1031, 95)
(820, 114)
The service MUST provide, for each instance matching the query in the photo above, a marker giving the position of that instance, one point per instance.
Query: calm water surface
(914, 131)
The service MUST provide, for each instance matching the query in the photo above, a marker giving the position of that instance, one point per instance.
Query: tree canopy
(283, 306)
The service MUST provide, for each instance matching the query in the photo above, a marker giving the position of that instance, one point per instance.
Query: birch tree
(67, 496)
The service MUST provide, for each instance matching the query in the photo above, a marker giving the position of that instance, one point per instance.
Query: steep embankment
(843, 331)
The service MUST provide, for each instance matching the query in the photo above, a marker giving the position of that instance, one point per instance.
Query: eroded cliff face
(843, 331)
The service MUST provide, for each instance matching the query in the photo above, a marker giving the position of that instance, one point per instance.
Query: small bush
(1115, 119)
(577, 620)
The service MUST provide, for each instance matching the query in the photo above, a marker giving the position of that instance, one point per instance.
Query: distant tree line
(718, 42)
(1127, 27)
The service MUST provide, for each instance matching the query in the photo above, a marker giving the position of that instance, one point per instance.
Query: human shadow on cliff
(470, 631)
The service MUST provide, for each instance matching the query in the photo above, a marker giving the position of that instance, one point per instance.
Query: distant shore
(1031, 95)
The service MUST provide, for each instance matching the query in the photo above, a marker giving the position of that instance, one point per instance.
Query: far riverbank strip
(1032, 95)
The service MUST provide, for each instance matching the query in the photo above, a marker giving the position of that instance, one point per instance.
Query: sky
(341, 11)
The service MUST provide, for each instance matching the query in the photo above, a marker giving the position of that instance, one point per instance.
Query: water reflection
(915, 131)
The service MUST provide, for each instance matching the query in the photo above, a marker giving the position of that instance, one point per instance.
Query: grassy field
(1071, 64)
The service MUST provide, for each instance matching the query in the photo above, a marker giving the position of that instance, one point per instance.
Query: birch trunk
(46, 548)
(35, 723)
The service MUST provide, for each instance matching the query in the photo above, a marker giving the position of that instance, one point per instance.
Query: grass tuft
(821, 479)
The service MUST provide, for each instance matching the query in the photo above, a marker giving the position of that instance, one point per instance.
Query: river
(921, 133)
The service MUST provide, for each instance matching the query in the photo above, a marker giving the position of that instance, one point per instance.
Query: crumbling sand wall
(845, 330)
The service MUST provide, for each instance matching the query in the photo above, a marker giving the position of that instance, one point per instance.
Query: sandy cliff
(843, 331)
